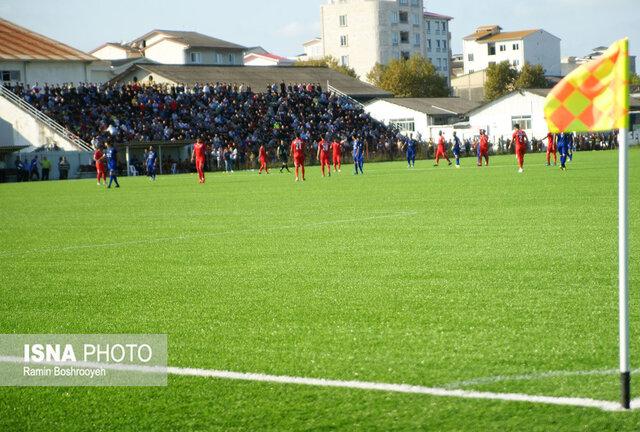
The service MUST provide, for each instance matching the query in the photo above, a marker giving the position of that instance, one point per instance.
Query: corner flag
(594, 97)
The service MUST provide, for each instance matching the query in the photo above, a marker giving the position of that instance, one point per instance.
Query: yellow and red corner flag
(594, 97)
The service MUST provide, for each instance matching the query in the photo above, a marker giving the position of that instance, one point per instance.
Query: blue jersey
(411, 146)
(112, 158)
(151, 159)
(563, 140)
(456, 145)
(358, 149)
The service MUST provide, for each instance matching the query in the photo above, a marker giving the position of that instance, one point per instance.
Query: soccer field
(472, 279)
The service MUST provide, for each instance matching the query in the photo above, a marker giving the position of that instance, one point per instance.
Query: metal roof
(258, 78)
(502, 36)
(18, 43)
(192, 39)
(435, 106)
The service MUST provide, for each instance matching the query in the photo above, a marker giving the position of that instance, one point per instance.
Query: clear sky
(281, 26)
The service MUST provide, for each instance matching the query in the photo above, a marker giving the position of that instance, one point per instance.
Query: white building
(116, 51)
(361, 33)
(489, 45)
(31, 58)
(313, 50)
(420, 117)
(259, 56)
(570, 63)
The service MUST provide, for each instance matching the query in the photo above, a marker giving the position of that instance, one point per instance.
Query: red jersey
(336, 148)
(263, 153)
(520, 137)
(200, 151)
(441, 142)
(550, 139)
(297, 148)
(97, 156)
(324, 147)
(484, 143)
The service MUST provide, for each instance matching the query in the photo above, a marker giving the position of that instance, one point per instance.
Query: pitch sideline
(356, 385)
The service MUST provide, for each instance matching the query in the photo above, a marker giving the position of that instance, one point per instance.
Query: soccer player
(99, 158)
(520, 141)
(563, 149)
(441, 151)
(323, 156)
(199, 156)
(483, 148)
(570, 146)
(457, 146)
(263, 160)
(411, 152)
(297, 152)
(551, 149)
(336, 151)
(112, 164)
(358, 154)
(152, 162)
(282, 154)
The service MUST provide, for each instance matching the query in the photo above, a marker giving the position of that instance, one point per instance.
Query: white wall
(259, 61)
(110, 52)
(495, 117)
(543, 48)
(386, 112)
(166, 52)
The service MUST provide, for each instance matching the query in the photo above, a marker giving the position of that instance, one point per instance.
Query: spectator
(33, 169)
(46, 168)
(3, 171)
(20, 170)
(63, 168)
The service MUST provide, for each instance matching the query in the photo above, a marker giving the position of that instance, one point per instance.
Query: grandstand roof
(19, 43)
(436, 106)
(192, 39)
(258, 78)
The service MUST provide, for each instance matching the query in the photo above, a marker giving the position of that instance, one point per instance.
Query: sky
(281, 26)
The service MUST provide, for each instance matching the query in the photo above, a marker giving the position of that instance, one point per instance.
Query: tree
(501, 79)
(328, 62)
(531, 77)
(415, 77)
(634, 79)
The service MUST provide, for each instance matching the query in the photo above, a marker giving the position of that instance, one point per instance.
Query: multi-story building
(489, 45)
(361, 33)
(438, 42)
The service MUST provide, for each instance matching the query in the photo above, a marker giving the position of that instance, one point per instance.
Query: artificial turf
(431, 276)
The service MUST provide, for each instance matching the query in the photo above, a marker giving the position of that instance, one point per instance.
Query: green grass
(425, 277)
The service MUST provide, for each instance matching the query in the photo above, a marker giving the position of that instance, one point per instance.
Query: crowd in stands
(224, 115)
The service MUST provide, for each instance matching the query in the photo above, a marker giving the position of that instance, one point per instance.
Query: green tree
(328, 62)
(415, 77)
(634, 79)
(531, 77)
(501, 79)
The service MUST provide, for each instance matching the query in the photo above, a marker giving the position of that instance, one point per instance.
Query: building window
(394, 17)
(404, 17)
(415, 3)
(516, 47)
(404, 37)
(219, 58)
(395, 39)
(445, 66)
(404, 125)
(415, 19)
(428, 26)
(196, 57)
(516, 62)
(10, 75)
(429, 45)
(491, 48)
(437, 27)
(417, 39)
(503, 48)
(343, 20)
(438, 46)
(344, 60)
(406, 55)
(444, 45)
(439, 64)
(344, 41)
(404, 2)
(470, 57)
(523, 121)
(232, 59)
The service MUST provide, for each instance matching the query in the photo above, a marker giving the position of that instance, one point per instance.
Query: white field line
(356, 385)
(204, 235)
(534, 377)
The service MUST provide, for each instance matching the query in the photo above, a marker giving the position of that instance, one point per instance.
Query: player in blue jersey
(411, 152)
(152, 162)
(457, 145)
(563, 149)
(112, 164)
(358, 155)
(570, 146)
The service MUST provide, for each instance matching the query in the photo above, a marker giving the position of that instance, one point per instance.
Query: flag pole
(623, 267)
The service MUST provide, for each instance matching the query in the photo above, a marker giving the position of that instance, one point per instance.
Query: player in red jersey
(297, 153)
(323, 156)
(520, 142)
(263, 160)
(336, 150)
(552, 149)
(199, 156)
(483, 149)
(441, 151)
(101, 173)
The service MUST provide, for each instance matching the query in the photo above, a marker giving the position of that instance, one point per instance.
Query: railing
(43, 118)
(335, 91)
